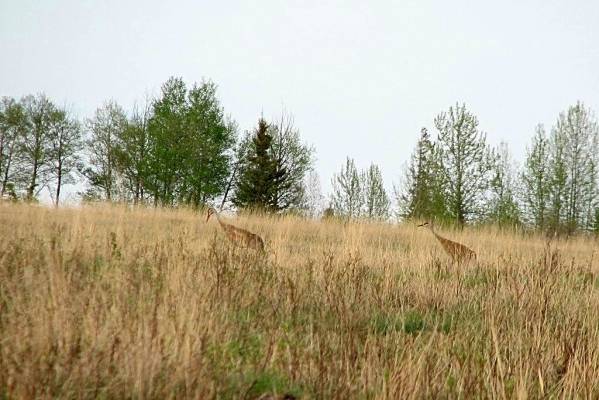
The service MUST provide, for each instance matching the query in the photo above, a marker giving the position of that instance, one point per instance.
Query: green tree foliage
(359, 194)
(103, 173)
(261, 175)
(347, 198)
(536, 180)
(581, 130)
(190, 144)
(503, 208)
(421, 194)
(40, 145)
(240, 155)
(167, 142)
(181, 149)
(131, 152)
(465, 160)
(34, 144)
(558, 179)
(574, 159)
(210, 137)
(65, 145)
(294, 158)
(13, 123)
(376, 201)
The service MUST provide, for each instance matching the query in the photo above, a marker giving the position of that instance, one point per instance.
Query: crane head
(209, 213)
(425, 223)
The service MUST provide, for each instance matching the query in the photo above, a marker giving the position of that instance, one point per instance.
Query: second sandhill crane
(457, 251)
(237, 235)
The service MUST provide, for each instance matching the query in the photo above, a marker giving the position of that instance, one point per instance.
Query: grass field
(113, 302)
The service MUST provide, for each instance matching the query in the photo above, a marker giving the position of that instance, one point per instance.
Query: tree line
(179, 149)
(182, 149)
(457, 177)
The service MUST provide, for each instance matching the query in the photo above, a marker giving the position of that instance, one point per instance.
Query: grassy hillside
(110, 302)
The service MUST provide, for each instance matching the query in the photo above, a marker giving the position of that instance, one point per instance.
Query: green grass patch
(411, 322)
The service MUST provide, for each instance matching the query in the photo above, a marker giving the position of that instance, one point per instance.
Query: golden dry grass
(112, 302)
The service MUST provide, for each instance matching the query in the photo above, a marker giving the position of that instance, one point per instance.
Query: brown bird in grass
(237, 235)
(457, 251)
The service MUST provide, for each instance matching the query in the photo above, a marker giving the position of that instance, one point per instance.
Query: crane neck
(220, 221)
(432, 228)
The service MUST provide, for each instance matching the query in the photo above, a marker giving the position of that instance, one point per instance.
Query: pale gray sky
(361, 78)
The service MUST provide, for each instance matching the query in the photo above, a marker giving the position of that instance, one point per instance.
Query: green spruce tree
(261, 175)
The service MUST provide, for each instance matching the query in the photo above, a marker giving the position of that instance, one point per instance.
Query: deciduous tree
(34, 143)
(376, 201)
(503, 207)
(132, 152)
(465, 160)
(292, 156)
(190, 145)
(65, 144)
(347, 198)
(421, 193)
(536, 180)
(104, 130)
(13, 123)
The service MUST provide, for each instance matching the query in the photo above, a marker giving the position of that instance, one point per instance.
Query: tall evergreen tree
(293, 160)
(261, 175)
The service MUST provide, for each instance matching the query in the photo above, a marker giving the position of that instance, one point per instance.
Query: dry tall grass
(111, 302)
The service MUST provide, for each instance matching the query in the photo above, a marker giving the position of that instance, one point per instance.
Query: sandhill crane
(237, 235)
(457, 251)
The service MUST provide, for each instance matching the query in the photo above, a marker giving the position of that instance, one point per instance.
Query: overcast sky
(361, 78)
